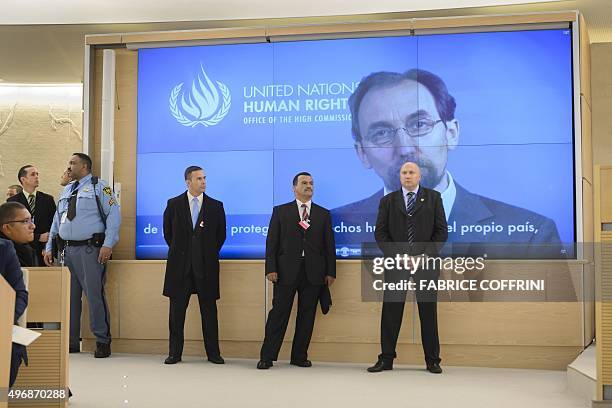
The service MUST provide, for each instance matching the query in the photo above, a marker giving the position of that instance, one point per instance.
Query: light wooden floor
(143, 381)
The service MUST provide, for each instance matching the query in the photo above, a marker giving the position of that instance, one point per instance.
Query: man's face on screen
(196, 183)
(399, 124)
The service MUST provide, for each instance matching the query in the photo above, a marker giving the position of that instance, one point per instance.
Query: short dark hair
(84, 158)
(23, 172)
(190, 170)
(445, 102)
(8, 211)
(301, 173)
(16, 187)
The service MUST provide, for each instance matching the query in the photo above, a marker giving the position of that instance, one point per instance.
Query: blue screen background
(514, 106)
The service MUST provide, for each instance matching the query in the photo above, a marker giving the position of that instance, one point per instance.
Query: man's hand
(105, 253)
(272, 276)
(48, 257)
(44, 237)
(329, 280)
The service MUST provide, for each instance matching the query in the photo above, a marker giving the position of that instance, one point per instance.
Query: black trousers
(208, 312)
(391, 322)
(278, 318)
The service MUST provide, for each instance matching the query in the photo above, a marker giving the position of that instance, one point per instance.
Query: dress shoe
(434, 368)
(216, 360)
(103, 350)
(172, 360)
(381, 365)
(264, 364)
(73, 350)
(301, 363)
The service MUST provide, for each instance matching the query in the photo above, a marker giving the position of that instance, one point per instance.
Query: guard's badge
(112, 201)
(107, 190)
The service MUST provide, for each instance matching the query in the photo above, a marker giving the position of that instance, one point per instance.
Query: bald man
(410, 220)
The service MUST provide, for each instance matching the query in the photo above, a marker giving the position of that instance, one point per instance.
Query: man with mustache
(300, 258)
(410, 117)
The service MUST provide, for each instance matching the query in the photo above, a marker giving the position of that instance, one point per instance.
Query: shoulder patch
(107, 190)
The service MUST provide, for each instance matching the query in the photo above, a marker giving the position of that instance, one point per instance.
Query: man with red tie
(300, 257)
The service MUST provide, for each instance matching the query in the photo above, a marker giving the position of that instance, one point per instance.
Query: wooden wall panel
(43, 369)
(585, 61)
(353, 323)
(604, 338)
(44, 286)
(125, 148)
(605, 197)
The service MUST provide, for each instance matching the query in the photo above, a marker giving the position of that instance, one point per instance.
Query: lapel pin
(422, 199)
(201, 224)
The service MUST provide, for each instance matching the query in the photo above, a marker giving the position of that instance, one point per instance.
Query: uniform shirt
(87, 220)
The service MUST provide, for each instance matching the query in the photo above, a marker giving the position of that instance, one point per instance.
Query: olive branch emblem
(211, 121)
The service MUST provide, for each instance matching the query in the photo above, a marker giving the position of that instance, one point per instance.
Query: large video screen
(487, 116)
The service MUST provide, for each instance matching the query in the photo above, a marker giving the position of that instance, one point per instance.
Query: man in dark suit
(400, 117)
(410, 221)
(194, 229)
(300, 257)
(41, 206)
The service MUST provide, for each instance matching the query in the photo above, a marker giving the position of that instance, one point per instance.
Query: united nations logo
(202, 105)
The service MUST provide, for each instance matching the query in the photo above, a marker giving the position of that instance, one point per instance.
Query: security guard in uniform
(85, 228)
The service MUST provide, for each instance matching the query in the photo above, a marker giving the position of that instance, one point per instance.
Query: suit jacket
(430, 229)
(43, 218)
(286, 240)
(539, 240)
(44, 211)
(11, 271)
(24, 252)
(195, 249)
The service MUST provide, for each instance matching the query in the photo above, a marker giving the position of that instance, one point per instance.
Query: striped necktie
(411, 199)
(32, 203)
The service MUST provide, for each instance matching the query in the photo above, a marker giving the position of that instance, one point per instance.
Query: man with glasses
(410, 117)
(16, 226)
(40, 205)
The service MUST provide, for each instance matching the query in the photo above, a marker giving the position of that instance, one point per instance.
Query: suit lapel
(203, 210)
(295, 211)
(399, 201)
(421, 199)
(187, 212)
